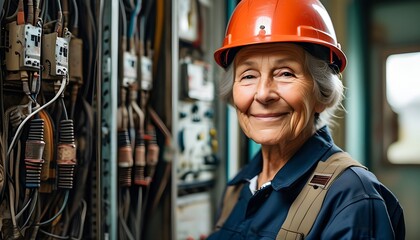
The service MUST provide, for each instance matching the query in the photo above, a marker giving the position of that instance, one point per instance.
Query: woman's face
(273, 93)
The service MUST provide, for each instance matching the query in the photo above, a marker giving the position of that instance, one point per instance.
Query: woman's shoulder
(357, 181)
(357, 196)
(356, 184)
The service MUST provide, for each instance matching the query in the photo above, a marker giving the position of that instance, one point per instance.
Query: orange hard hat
(267, 21)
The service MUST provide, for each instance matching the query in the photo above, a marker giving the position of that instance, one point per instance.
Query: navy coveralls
(357, 205)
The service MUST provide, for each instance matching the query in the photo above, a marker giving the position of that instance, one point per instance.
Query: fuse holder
(55, 54)
(23, 51)
(146, 73)
(129, 69)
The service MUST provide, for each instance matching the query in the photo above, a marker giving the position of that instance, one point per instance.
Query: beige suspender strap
(305, 208)
(230, 199)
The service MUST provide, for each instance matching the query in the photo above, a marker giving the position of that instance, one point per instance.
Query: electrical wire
(123, 18)
(60, 91)
(159, 123)
(37, 12)
(44, 11)
(91, 33)
(158, 33)
(2, 144)
(32, 210)
(13, 187)
(65, 6)
(52, 201)
(122, 214)
(12, 145)
(168, 147)
(131, 2)
(12, 203)
(82, 219)
(25, 210)
(59, 22)
(66, 116)
(2, 173)
(84, 127)
(30, 17)
(133, 19)
(63, 206)
(20, 13)
(17, 173)
(54, 235)
(1, 9)
(18, 112)
(138, 219)
(13, 15)
(76, 15)
(27, 203)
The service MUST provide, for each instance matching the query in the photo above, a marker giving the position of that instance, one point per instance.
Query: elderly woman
(282, 65)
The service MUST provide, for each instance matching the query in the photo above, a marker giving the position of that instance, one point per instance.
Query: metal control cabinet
(199, 172)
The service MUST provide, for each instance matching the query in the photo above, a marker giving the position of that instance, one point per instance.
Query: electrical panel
(198, 144)
(199, 160)
(197, 80)
(96, 140)
(47, 150)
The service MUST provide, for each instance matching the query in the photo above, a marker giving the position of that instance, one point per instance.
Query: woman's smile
(270, 117)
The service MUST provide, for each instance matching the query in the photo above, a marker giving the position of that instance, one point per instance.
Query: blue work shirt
(357, 205)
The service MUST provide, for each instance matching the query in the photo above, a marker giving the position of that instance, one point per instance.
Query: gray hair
(328, 88)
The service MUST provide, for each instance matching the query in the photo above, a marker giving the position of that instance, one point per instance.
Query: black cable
(3, 148)
(149, 19)
(8, 8)
(1, 11)
(32, 210)
(90, 41)
(64, 204)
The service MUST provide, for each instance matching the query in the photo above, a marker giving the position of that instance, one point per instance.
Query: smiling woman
(327, 87)
(283, 81)
(273, 94)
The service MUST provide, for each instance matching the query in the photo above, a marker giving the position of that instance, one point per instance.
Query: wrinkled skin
(274, 99)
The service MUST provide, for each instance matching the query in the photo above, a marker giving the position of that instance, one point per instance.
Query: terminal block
(129, 69)
(146, 74)
(55, 55)
(23, 51)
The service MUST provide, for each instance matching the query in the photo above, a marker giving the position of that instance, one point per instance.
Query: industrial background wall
(378, 128)
(112, 128)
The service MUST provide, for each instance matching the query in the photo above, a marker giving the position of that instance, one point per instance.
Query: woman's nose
(266, 91)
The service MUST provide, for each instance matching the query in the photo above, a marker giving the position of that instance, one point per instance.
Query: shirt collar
(317, 148)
